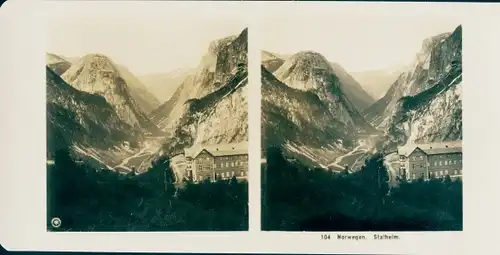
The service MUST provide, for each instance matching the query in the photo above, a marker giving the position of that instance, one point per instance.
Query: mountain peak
(214, 46)
(312, 59)
(430, 42)
(304, 70)
(99, 61)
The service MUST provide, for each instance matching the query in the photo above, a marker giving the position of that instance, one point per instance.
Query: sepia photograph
(249, 127)
(147, 121)
(361, 124)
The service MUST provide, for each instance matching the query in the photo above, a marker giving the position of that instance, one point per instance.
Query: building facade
(429, 161)
(216, 162)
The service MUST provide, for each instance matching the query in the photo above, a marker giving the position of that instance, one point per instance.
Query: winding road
(356, 150)
(365, 145)
(124, 162)
(353, 156)
(150, 146)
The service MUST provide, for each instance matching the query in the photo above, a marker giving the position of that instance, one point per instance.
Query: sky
(144, 39)
(357, 42)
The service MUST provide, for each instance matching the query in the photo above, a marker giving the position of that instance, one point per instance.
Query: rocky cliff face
(424, 104)
(310, 71)
(219, 117)
(97, 74)
(217, 69)
(84, 122)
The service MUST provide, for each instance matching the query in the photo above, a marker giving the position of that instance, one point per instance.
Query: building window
(222, 174)
(445, 163)
(441, 172)
(440, 163)
(413, 176)
(227, 164)
(232, 164)
(227, 174)
(435, 163)
(454, 162)
(446, 172)
(421, 157)
(232, 174)
(241, 173)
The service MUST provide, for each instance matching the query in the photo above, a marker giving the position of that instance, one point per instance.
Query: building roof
(432, 148)
(218, 150)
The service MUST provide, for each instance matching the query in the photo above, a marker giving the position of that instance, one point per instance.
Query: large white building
(431, 160)
(221, 161)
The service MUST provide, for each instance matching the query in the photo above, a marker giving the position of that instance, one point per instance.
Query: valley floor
(137, 160)
(355, 158)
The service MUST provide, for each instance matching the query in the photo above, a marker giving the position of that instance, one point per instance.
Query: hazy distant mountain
(377, 82)
(146, 100)
(164, 85)
(58, 64)
(353, 90)
(98, 74)
(271, 61)
(425, 103)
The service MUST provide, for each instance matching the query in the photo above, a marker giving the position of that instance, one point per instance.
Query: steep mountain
(271, 61)
(85, 123)
(97, 74)
(310, 71)
(58, 64)
(217, 68)
(145, 99)
(302, 122)
(425, 104)
(377, 82)
(219, 117)
(210, 107)
(358, 96)
(164, 85)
